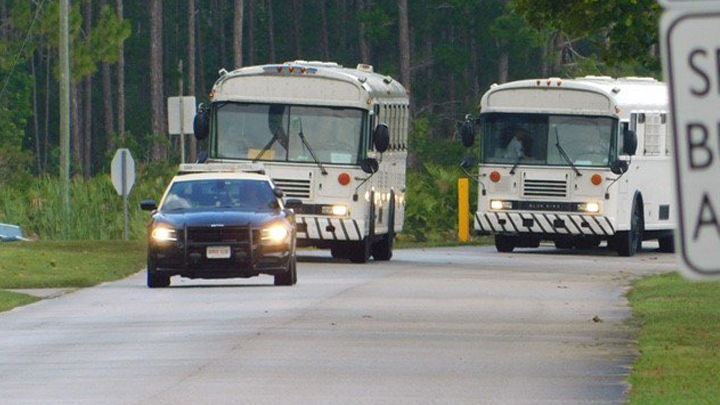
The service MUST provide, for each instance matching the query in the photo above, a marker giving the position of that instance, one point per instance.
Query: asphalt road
(437, 326)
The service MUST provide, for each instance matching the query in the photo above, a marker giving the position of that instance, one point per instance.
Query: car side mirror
(278, 192)
(201, 123)
(381, 138)
(467, 133)
(468, 163)
(370, 165)
(619, 166)
(630, 142)
(293, 203)
(148, 205)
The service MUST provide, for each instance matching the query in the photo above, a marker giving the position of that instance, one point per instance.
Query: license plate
(218, 252)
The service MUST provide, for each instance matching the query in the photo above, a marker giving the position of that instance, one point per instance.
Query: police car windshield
(274, 132)
(541, 139)
(220, 194)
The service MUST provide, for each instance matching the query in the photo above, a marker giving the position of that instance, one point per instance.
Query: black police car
(220, 225)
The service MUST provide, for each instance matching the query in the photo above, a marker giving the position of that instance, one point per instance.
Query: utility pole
(64, 106)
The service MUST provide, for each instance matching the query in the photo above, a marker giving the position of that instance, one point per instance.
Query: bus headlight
(275, 234)
(162, 234)
(500, 205)
(591, 207)
(337, 210)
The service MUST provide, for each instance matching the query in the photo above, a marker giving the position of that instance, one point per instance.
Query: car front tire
(290, 276)
(155, 279)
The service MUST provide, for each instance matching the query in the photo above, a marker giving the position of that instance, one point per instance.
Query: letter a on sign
(691, 61)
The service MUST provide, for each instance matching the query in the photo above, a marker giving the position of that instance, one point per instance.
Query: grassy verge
(10, 300)
(68, 264)
(679, 341)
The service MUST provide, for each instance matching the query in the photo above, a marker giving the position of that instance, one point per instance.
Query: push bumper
(538, 223)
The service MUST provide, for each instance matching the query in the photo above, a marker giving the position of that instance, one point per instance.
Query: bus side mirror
(630, 142)
(201, 123)
(468, 163)
(381, 138)
(278, 192)
(467, 133)
(369, 165)
(619, 166)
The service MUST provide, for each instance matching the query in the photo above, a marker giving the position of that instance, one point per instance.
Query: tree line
(128, 56)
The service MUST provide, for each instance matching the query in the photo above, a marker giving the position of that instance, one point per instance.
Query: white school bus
(334, 139)
(575, 162)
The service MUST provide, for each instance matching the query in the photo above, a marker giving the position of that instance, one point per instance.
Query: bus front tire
(383, 250)
(630, 242)
(667, 244)
(504, 243)
(360, 251)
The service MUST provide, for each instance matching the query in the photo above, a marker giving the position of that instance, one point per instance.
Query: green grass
(10, 300)
(679, 341)
(68, 264)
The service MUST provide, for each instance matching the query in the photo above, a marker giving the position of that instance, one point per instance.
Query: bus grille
(545, 188)
(294, 188)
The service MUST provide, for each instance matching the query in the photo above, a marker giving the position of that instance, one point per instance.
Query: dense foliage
(122, 68)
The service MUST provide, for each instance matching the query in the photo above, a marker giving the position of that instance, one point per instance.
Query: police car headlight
(500, 205)
(163, 234)
(337, 210)
(591, 207)
(275, 234)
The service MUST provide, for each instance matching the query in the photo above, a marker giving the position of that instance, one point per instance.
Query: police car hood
(217, 218)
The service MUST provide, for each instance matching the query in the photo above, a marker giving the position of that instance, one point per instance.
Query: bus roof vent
(598, 78)
(363, 67)
(639, 79)
(314, 63)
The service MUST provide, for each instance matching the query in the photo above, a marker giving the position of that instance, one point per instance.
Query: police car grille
(229, 234)
(544, 188)
(294, 188)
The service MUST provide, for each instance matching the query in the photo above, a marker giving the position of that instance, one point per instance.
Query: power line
(22, 49)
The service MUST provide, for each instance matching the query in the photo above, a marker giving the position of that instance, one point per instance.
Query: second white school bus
(334, 139)
(575, 162)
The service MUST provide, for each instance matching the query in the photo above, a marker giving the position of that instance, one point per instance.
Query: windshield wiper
(517, 163)
(564, 154)
(266, 148)
(310, 149)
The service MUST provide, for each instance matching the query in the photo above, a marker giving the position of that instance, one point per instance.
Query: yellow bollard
(464, 210)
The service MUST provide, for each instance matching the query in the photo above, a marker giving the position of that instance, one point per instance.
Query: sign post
(181, 112)
(123, 179)
(691, 56)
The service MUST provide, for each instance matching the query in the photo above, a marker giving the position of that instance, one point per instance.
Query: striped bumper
(537, 223)
(324, 228)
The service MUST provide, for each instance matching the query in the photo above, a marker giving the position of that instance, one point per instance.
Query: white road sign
(691, 50)
(180, 120)
(122, 172)
(123, 168)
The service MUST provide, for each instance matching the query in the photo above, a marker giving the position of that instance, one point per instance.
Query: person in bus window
(520, 143)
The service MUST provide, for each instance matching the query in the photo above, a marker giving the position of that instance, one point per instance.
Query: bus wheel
(359, 252)
(339, 251)
(563, 243)
(586, 243)
(630, 242)
(667, 244)
(383, 250)
(504, 243)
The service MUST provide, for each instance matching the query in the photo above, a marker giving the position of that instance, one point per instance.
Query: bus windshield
(288, 133)
(544, 139)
